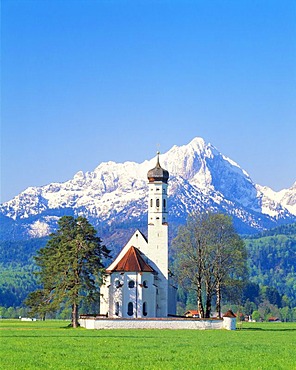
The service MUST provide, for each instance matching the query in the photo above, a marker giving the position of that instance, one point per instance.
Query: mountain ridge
(201, 178)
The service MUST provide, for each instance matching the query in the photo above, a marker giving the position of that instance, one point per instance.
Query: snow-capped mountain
(115, 193)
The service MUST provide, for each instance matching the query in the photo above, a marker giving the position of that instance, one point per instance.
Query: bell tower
(157, 250)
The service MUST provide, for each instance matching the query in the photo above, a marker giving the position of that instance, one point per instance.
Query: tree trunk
(208, 303)
(218, 298)
(199, 301)
(75, 315)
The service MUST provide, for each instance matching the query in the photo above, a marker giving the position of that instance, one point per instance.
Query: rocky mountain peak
(200, 178)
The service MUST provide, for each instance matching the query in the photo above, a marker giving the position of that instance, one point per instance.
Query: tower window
(131, 284)
(117, 283)
(151, 202)
(145, 284)
(164, 203)
(145, 312)
(130, 309)
(157, 202)
(116, 308)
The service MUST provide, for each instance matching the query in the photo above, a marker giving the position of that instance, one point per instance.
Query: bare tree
(209, 255)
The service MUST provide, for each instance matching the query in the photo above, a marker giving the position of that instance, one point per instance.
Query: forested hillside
(271, 258)
(17, 268)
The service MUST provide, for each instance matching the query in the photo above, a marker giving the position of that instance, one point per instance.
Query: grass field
(52, 345)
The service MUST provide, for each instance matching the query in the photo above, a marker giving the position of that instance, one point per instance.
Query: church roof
(158, 173)
(132, 261)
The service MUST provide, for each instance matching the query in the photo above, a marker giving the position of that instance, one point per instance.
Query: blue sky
(90, 81)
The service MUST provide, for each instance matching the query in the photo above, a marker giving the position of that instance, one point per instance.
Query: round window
(117, 283)
(131, 284)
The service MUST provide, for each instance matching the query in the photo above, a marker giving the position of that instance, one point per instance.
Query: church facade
(137, 283)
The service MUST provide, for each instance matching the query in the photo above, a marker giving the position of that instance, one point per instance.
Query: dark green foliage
(289, 229)
(17, 269)
(70, 268)
(16, 282)
(272, 262)
(20, 252)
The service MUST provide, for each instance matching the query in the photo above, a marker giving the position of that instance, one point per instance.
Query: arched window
(130, 309)
(157, 202)
(164, 203)
(151, 202)
(145, 284)
(145, 312)
(116, 308)
(131, 284)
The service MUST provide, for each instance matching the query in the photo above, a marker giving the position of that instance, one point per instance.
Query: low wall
(169, 323)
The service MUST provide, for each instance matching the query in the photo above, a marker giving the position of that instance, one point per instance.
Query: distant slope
(272, 259)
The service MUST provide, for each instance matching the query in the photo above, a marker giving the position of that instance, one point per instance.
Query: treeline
(20, 252)
(260, 303)
(16, 282)
(272, 262)
(271, 291)
(272, 274)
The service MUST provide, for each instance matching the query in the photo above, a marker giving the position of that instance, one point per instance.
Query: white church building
(137, 283)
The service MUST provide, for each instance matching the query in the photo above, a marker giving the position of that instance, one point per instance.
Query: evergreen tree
(71, 268)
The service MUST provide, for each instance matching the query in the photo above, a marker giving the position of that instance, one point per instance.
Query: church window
(116, 308)
(157, 202)
(164, 203)
(145, 312)
(117, 283)
(130, 309)
(131, 284)
(145, 284)
(151, 202)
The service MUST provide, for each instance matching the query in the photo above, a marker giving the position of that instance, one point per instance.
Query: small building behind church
(137, 283)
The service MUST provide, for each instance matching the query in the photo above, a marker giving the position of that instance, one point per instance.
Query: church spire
(158, 173)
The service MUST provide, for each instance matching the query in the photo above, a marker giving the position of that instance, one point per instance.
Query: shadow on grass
(269, 329)
(84, 336)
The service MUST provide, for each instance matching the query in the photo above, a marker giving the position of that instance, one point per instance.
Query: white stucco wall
(151, 324)
(229, 323)
(121, 294)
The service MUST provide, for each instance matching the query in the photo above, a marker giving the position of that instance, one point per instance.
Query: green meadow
(52, 345)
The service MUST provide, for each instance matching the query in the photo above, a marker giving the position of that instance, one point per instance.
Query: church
(137, 283)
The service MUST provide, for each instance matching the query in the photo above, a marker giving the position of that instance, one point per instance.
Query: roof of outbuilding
(132, 261)
(193, 312)
(230, 314)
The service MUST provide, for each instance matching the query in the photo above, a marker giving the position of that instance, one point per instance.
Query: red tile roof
(230, 314)
(132, 261)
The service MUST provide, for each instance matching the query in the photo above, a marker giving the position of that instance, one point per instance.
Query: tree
(71, 268)
(209, 256)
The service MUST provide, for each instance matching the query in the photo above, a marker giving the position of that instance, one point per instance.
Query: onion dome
(158, 173)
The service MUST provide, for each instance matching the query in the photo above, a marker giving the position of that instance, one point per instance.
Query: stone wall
(100, 323)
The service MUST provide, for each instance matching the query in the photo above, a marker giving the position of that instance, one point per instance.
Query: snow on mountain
(200, 178)
(286, 198)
